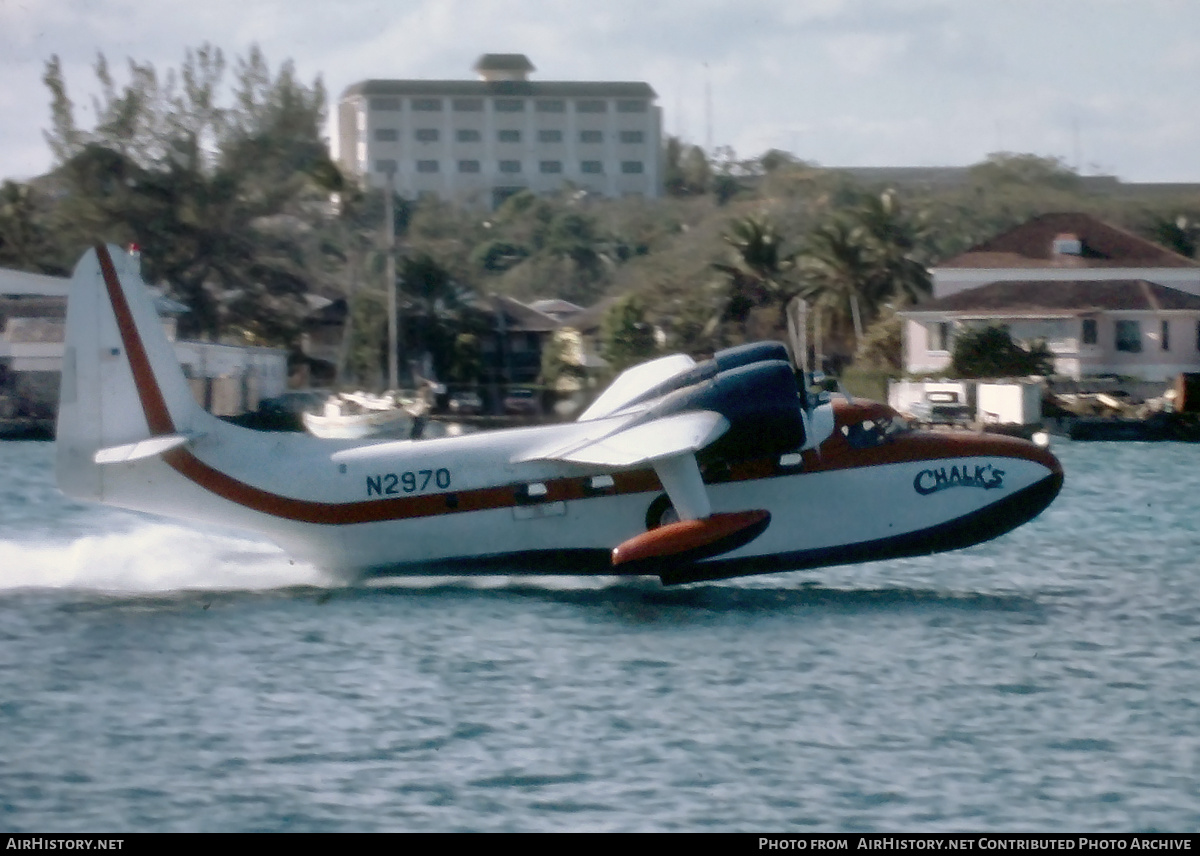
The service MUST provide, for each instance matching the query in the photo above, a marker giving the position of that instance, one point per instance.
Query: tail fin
(121, 381)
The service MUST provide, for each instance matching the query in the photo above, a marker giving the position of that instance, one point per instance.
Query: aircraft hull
(919, 493)
(853, 512)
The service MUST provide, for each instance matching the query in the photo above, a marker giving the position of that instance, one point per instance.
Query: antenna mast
(708, 129)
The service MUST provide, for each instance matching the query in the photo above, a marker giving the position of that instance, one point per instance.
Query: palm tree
(896, 241)
(839, 274)
(436, 311)
(25, 242)
(757, 270)
(1175, 233)
(863, 260)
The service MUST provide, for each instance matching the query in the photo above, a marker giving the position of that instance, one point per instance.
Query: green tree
(1002, 168)
(436, 309)
(860, 261)
(1175, 233)
(223, 201)
(840, 276)
(686, 171)
(896, 244)
(367, 347)
(563, 361)
(990, 352)
(466, 366)
(881, 347)
(775, 159)
(25, 240)
(625, 334)
(756, 271)
(498, 256)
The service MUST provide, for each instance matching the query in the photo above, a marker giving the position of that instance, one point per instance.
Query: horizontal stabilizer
(143, 449)
(631, 383)
(649, 441)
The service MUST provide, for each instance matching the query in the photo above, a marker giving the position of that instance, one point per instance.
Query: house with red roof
(1105, 301)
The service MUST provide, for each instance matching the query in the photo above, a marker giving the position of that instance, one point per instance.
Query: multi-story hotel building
(479, 141)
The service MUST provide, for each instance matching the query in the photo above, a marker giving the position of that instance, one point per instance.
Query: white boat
(360, 416)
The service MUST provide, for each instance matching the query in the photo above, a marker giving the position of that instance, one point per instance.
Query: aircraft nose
(1035, 491)
(1020, 477)
(1041, 454)
(999, 445)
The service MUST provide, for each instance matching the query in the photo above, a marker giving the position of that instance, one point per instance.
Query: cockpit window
(874, 432)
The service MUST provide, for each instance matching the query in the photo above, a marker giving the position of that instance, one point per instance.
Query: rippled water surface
(160, 677)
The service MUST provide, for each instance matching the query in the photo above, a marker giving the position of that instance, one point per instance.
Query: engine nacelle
(761, 401)
(722, 361)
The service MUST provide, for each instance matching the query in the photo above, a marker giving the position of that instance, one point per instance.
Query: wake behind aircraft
(687, 471)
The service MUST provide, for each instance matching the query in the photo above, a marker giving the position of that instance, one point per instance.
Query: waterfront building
(1105, 301)
(226, 379)
(479, 141)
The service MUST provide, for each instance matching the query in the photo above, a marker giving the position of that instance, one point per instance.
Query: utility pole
(1077, 149)
(343, 359)
(389, 243)
(708, 120)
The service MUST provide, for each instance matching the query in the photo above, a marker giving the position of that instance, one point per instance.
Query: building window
(427, 135)
(549, 136)
(510, 105)
(591, 105)
(939, 335)
(385, 165)
(1090, 336)
(427, 166)
(550, 166)
(508, 136)
(1129, 337)
(468, 166)
(590, 137)
(631, 167)
(385, 103)
(633, 137)
(467, 135)
(592, 167)
(627, 106)
(1166, 335)
(427, 105)
(552, 105)
(510, 166)
(386, 135)
(467, 105)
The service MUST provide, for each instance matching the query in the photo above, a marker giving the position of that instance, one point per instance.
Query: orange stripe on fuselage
(834, 454)
(158, 418)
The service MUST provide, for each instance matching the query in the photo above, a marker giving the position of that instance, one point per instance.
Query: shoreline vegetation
(219, 174)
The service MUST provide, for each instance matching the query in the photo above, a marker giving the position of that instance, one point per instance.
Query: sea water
(158, 676)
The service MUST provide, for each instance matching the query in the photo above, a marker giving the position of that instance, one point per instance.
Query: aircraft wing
(677, 434)
(633, 382)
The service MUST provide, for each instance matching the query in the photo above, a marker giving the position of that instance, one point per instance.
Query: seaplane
(688, 471)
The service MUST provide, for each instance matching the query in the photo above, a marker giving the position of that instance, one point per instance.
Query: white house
(227, 379)
(1104, 301)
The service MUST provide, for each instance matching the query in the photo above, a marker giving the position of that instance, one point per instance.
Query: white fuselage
(416, 505)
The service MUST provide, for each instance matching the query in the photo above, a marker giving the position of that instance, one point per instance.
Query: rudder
(121, 381)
